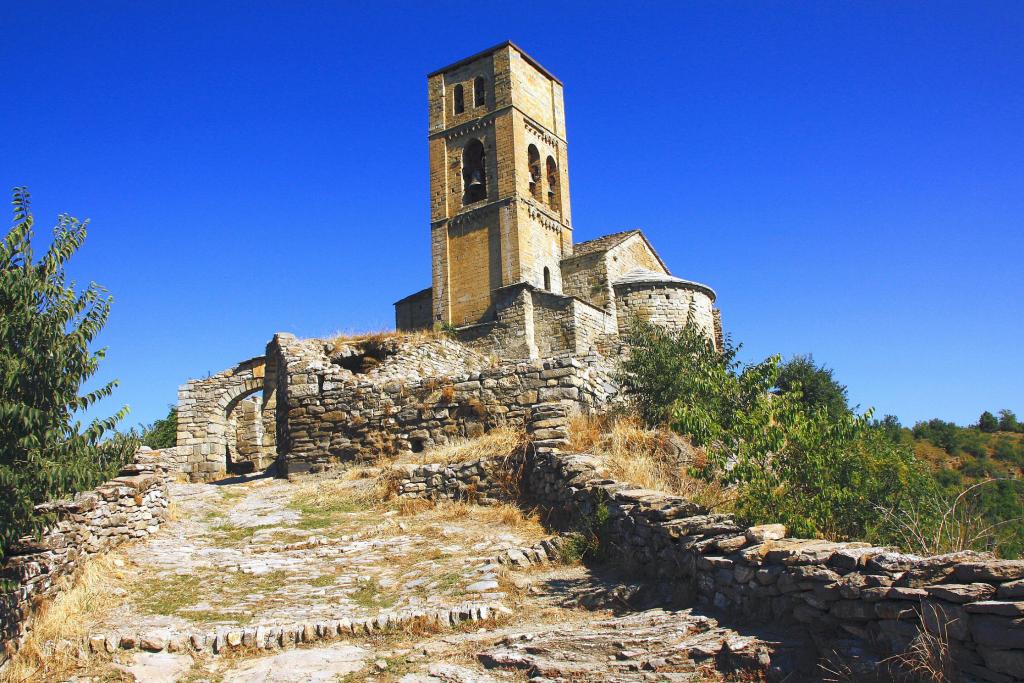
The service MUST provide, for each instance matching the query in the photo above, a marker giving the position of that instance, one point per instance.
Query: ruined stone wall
(207, 428)
(412, 403)
(130, 507)
(847, 595)
(473, 481)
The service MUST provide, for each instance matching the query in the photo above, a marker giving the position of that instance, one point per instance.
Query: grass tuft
(650, 458)
(501, 441)
(46, 655)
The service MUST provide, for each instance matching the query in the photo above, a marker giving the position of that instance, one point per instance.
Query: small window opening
(533, 159)
(479, 91)
(416, 445)
(460, 101)
(474, 173)
(547, 278)
(554, 200)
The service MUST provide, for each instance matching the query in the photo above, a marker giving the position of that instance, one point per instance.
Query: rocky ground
(265, 553)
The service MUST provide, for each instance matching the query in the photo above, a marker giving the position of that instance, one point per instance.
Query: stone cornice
(535, 210)
(460, 129)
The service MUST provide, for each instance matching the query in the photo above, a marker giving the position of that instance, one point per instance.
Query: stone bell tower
(499, 183)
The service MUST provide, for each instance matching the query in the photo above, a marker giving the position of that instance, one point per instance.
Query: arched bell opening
(474, 173)
(533, 160)
(554, 193)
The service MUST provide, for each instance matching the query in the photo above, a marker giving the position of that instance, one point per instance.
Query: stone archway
(223, 424)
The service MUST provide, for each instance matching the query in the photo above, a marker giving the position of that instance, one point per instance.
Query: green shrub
(46, 330)
(1008, 421)
(164, 432)
(988, 422)
(817, 471)
(817, 387)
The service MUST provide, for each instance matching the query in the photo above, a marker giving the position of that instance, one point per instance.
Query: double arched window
(474, 173)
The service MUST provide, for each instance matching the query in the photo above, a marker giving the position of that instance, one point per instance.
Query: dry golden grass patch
(61, 625)
(648, 458)
(500, 441)
(376, 336)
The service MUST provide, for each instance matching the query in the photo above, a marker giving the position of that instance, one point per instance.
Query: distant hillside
(968, 451)
(989, 455)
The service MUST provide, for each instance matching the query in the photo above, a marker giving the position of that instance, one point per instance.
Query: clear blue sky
(848, 176)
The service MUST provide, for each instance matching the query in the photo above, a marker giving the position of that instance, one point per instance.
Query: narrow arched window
(474, 173)
(460, 100)
(533, 159)
(554, 196)
(547, 278)
(479, 91)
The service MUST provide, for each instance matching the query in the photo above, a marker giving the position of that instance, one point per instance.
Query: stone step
(225, 640)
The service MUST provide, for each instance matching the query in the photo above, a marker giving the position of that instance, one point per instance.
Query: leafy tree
(816, 471)
(817, 386)
(164, 432)
(46, 329)
(1008, 421)
(988, 422)
(945, 435)
(891, 427)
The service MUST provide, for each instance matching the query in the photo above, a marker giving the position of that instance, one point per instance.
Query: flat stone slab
(320, 665)
(158, 667)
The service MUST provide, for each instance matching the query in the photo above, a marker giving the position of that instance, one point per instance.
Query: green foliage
(585, 541)
(46, 330)
(815, 470)
(164, 432)
(979, 502)
(1008, 422)
(945, 435)
(447, 329)
(677, 376)
(817, 386)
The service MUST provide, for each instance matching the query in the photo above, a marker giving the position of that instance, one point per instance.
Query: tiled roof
(642, 276)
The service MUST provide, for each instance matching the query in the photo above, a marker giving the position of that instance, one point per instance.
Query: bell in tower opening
(474, 174)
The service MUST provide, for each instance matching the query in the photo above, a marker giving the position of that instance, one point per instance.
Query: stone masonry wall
(668, 304)
(411, 403)
(849, 596)
(130, 507)
(206, 430)
(472, 481)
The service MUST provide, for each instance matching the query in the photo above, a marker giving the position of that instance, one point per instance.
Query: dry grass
(501, 441)
(648, 458)
(472, 519)
(928, 659)
(59, 626)
(376, 336)
(940, 524)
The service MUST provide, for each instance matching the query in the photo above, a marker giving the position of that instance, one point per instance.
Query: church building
(507, 276)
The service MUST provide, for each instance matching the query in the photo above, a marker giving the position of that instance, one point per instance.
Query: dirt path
(268, 552)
